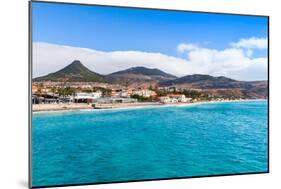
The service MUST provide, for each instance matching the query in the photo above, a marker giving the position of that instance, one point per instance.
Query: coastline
(59, 107)
(53, 108)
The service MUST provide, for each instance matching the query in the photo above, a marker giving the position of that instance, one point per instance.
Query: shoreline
(123, 106)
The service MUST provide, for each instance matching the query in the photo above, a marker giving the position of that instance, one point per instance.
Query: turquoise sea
(149, 143)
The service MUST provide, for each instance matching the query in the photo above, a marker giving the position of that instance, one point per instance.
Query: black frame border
(30, 62)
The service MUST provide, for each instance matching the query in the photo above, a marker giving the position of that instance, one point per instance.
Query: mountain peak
(75, 66)
(76, 62)
(74, 72)
(139, 74)
(144, 71)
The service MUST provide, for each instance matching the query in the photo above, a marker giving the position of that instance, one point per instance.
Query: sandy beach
(58, 107)
(85, 106)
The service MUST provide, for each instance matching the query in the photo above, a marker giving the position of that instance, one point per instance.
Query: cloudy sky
(181, 43)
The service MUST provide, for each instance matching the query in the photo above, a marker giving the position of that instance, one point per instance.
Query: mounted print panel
(123, 94)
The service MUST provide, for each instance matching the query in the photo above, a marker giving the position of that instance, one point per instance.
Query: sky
(108, 39)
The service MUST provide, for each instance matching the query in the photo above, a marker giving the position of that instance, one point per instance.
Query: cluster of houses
(117, 96)
(125, 93)
(45, 95)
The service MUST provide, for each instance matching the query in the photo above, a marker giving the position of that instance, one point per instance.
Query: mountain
(145, 77)
(74, 72)
(220, 86)
(201, 81)
(139, 75)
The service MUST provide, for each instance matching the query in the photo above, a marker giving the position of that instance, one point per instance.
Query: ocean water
(149, 143)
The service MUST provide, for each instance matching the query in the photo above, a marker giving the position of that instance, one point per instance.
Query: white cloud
(231, 62)
(183, 47)
(251, 43)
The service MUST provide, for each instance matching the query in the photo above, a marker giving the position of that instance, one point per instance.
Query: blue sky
(180, 43)
(109, 29)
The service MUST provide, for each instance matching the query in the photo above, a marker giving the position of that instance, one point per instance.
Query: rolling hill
(139, 75)
(220, 86)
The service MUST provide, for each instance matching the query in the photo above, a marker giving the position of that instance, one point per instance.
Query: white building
(107, 100)
(164, 99)
(144, 93)
(175, 98)
(180, 98)
(121, 94)
(87, 97)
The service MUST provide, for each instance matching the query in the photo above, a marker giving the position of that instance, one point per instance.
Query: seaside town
(80, 95)
(77, 87)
